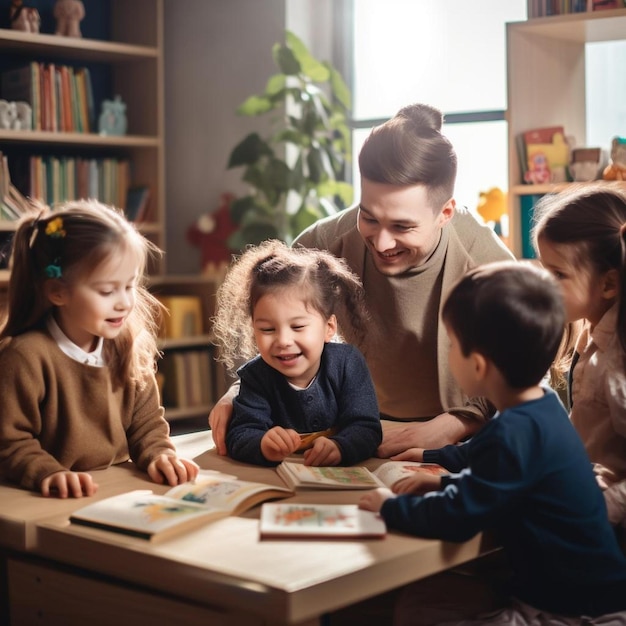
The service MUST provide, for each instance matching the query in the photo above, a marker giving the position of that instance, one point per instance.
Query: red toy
(210, 233)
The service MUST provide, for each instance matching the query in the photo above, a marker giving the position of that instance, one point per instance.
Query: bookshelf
(122, 45)
(129, 62)
(196, 379)
(546, 87)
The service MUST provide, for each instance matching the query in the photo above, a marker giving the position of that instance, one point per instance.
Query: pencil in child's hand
(307, 439)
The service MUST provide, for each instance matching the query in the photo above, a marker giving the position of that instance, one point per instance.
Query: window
(448, 53)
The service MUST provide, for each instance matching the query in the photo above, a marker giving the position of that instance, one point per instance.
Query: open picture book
(292, 520)
(154, 517)
(299, 476)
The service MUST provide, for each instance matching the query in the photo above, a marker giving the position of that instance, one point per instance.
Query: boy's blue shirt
(526, 477)
(342, 396)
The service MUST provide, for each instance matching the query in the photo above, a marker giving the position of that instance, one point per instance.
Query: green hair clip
(53, 270)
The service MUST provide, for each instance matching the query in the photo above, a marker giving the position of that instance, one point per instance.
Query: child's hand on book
(66, 484)
(323, 452)
(170, 469)
(373, 500)
(418, 484)
(278, 443)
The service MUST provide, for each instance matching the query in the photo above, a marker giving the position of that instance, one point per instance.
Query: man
(409, 244)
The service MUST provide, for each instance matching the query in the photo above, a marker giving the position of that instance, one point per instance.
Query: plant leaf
(239, 207)
(339, 87)
(275, 85)
(310, 66)
(255, 105)
(249, 150)
(285, 60)
(303, 218)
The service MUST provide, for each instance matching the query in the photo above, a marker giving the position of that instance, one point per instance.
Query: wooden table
(221, 573)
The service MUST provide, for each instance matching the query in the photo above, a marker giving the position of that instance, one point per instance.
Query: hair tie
(35, 229)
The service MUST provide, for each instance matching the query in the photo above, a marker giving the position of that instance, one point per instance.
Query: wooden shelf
(595, 26)
(546, 86)
(76, 48)
(79, 139)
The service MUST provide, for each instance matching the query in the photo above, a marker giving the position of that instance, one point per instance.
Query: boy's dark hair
(512, 313)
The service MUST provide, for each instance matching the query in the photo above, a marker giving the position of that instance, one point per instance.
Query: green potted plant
(295, 176)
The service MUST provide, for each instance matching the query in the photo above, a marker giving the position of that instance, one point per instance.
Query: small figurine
(538, 170)
(24, 116)
(24, 18)
(8, 114)
(113, 117)
(68, 14)
(616, 169)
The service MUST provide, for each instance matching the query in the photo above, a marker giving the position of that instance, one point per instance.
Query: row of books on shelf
(53, 180)
(61, 96)
(544, 8)
(187, 378)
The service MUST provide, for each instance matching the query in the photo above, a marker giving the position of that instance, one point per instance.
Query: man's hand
(438, 432)
(66, 484)
(278, 443)
(219, 417)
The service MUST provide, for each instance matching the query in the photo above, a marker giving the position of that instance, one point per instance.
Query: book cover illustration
(319, 520)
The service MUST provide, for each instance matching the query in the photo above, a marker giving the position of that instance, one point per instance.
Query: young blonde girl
(580, 236)
(302, 386)
(77, 355)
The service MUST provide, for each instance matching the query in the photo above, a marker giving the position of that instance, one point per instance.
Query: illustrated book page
(285, 520)
(299, 476)
(154, 517)
(391, 472)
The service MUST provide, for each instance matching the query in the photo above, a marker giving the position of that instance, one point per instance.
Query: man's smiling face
(399, 226)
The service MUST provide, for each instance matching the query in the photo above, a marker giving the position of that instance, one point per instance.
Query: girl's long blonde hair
(67, 244)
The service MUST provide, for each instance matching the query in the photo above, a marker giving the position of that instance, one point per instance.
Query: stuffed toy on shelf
(210, 232)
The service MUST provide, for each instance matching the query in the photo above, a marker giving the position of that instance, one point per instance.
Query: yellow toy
(492, 207)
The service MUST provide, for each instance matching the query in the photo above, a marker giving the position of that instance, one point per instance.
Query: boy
(525, 476)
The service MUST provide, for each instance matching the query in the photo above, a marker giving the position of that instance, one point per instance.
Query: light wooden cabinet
(132, 59)
(546, 74)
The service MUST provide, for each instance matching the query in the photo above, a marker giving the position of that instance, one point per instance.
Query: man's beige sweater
(407, 348)
(57, 413)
